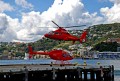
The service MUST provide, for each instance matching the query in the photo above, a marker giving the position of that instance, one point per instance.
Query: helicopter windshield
(51, 33)
(68, 54)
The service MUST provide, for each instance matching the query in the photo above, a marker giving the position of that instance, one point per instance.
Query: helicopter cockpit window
(70, 54)
(66, 55)
(51, 33)
(56, 33)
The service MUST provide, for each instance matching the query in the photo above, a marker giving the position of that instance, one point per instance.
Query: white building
(26, 56)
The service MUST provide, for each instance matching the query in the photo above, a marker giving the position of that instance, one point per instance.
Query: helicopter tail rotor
(83, 36)
(30, 52)
(30, 49)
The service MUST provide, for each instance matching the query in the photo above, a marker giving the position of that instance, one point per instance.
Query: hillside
(100, 33)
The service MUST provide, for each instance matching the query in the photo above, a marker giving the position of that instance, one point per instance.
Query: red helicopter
(62, 34)
(57, 54)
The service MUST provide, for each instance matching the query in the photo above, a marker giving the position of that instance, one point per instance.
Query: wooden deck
(55, 72)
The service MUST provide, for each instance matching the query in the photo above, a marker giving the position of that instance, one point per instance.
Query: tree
(106, 46)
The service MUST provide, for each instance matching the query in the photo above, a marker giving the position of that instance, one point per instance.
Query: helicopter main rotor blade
(63, 26)
(74, 26)
(48, 27)
(67, 26)
(55, 24)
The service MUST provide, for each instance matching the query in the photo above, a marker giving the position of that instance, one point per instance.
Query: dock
(56, 72)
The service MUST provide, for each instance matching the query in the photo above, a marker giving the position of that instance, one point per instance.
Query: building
(108, 55)
(118, 49)
(113, 40)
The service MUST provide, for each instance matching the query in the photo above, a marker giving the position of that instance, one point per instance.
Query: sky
(29, 20)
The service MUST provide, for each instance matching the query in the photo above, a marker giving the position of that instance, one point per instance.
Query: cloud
(115, 1)
(33, 25)
(70, 12)
(7, 34)
(4, 23)
(5, 7)
(112, 14)
(24, 4)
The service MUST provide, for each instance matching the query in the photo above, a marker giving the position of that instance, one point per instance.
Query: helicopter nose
(46, 35)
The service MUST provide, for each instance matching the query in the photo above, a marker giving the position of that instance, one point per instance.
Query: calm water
(116, 63)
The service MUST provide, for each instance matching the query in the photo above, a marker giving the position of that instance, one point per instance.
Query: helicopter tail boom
(31, 52)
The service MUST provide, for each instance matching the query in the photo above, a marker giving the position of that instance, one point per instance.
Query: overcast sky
(20, 20)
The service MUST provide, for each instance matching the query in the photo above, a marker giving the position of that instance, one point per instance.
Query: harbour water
(116, 63)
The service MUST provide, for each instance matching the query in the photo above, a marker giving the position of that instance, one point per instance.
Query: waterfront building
(26, 56)
(108, 55)
(113, 40)
(118, 49)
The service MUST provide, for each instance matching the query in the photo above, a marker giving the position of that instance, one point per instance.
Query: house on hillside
(113, 40)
